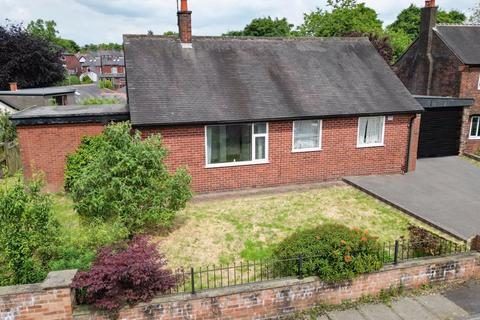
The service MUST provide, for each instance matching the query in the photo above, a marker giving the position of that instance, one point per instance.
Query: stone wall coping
(274, 284)
(55, 280)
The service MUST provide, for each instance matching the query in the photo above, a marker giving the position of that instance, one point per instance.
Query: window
(370, 131)
(236, 144)
(114, 70)
(307, 135)
(475, 128)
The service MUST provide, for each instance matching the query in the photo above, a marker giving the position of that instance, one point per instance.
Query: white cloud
(93, 21)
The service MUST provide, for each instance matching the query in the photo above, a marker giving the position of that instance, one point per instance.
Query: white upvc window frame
(241, 163)
(114, 70)
(474, 137)
(371, 145)
(478, 85)
(319, 148)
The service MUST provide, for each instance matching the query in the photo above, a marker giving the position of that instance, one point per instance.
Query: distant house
(445, 61)
(247, 113)
(107, 65)
(71, 64)
(20, 99)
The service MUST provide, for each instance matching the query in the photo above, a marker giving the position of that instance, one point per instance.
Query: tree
(400, 41)
(29, 60)
(28, 236)
(265, 27)
(408, 21)
(126, 181)
(48, 30)
(345, 17)
(8, 132)
(475, 17)
(102, 46)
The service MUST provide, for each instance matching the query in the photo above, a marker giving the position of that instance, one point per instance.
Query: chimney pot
(13, 86)
(184, 6)
(429, 3)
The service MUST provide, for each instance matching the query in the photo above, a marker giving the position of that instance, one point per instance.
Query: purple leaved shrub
(124, 274)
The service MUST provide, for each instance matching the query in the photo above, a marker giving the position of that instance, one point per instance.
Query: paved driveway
(444, 192)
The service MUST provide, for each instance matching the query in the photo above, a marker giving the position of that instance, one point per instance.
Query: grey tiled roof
(237, 79)
(39, 91)
(463, 40)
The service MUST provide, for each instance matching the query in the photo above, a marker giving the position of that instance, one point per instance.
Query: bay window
(307, 135)
(371, 131)
(236, 144)
(475, 128)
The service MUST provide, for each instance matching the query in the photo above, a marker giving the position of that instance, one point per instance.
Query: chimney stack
(185, 25)
(427, 24)
(13, 86)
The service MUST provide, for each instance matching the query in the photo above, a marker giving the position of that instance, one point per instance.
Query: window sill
(307, 150)
(236, 164)
(473, 138)
(379, 145)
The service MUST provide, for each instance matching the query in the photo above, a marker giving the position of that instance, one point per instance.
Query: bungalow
(246, 113)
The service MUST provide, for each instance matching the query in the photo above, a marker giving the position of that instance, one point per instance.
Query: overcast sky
(95, 21)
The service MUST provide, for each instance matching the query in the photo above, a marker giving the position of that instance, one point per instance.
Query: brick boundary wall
(49, 300)
(54, 300)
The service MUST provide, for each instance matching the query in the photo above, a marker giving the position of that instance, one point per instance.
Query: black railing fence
(198, 279)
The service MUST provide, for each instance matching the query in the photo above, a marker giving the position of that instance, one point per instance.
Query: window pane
(370, 130)
(475, 124)
(260, 148)
(229, 143)
(306, 134)
(259, 128)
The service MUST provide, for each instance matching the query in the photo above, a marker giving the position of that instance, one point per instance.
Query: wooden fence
(9, 159)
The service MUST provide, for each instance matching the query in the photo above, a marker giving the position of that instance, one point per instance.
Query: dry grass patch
(223, 231)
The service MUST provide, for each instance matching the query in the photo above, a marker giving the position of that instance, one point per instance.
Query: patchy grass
(223, 231)
(472, 161)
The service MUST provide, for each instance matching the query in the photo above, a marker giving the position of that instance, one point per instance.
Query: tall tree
(345, 16)
(408, 21)
(475, 16)
(265, 27)
(101, 46)
(29, 60)
(48, 30)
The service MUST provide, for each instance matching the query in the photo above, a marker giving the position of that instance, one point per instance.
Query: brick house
(71, 64)
(247, 113)
(107, 65)
(445, 61)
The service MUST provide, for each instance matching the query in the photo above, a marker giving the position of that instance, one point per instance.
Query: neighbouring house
(246, 113)
(20, 99)
(445, 61)
(71, 64)
(107, 65)
(5, 107)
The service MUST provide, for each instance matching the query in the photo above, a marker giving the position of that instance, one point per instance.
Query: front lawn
(211, 232)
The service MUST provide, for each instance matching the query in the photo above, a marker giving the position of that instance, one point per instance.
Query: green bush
(127, 182)
(105, 84)
(87, 80)
(73, 79)
(8, 132)
(29, 233)
(76, 161)
(99, 101)
(333, 252)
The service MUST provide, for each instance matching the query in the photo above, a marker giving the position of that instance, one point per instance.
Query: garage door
(440, 132)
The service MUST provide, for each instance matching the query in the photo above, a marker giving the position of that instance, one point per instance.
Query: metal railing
(193, 280)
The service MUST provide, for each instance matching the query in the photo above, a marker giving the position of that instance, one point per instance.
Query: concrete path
(442, 191)
(459, 304)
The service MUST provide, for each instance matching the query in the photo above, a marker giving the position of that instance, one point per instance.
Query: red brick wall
(340, 156)
(280, 298)
(45, 148)
(469, 89)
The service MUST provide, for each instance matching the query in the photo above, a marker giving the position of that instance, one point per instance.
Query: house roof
(71, 114)
(463, 40)
(39, 91)
(242, 79)
(106, 58)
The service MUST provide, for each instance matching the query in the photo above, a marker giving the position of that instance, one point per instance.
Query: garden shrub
(105, 84)
(333, 252)
(127, 181)
(87, 80)
(73, 79)
(125, 273)
(78, 160)
(424, 243)
(28, 232)
(8, 132)
(99, 101)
